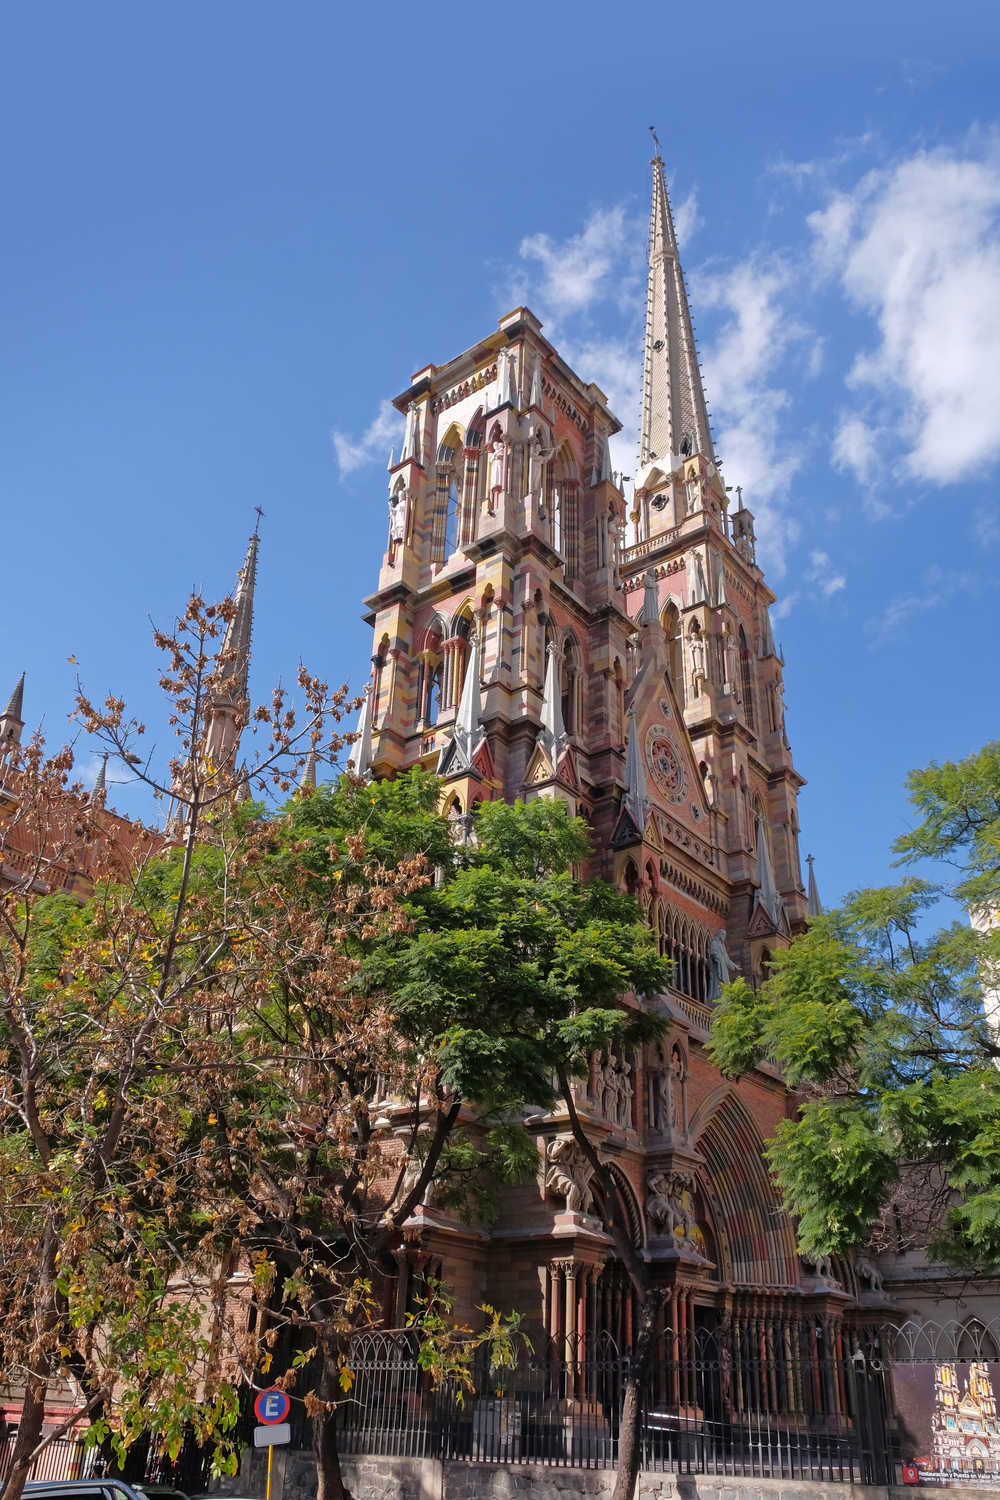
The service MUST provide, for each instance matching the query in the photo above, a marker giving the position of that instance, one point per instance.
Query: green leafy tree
(523, 972)
(890, 1030)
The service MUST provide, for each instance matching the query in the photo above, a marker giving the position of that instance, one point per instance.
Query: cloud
(687, 220)
(573, 274)
(939, 585)
(378, 436)
(917, 247)
(823, 576)
(741, 376)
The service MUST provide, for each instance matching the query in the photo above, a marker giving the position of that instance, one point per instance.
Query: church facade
(538, 635)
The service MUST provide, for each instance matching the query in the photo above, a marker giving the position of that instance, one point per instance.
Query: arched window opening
(451, 521)
(571, 687)
(746, 680)
(632, 880)
(378, 667)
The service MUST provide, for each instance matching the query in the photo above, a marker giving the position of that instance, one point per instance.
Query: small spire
(361, 750)
(535, 399)
(506, 379)
(721, 598)
(12, 718)
(767, 647)
(636, 793)
(553, 731)
(99, 791)
(307, 782)
(470, 705)
(674, 410)
(411, 438)
(770, 896)
(814, 907)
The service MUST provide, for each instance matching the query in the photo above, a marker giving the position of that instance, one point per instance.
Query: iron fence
(707, 1407)
(63, 1458)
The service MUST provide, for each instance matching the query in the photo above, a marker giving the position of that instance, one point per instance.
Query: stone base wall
(376, 1478)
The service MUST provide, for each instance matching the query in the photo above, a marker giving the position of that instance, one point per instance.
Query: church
(535, 634)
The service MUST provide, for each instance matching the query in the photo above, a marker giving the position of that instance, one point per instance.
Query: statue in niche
(397, 524)
(616, 526)
(678, 1092)
(541, 452)
(697, 657)
(614, 1090)
(721, 969)
(569, 1174)
(495, 479)
(660, 1095)
(668, 1206)
(693, 496)
(729, 657)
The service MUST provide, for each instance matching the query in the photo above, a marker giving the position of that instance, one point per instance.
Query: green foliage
(884, 1029)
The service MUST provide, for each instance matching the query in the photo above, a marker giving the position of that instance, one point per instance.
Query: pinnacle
(15, 706)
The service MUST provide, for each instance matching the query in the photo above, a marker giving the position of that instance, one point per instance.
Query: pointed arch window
(572, 687)
(671, 621)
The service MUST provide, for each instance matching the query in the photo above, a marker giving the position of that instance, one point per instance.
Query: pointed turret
(814, 907)
(99, 791)
(535, 397)
(361, 750)
(674, 411)
(307, 781)
(553, 731)
(470, 705)
(636, 799)
(240, 628)
(12, 718)
(767, 893)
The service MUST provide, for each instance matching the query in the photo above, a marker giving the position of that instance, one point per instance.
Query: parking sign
(271, 1406)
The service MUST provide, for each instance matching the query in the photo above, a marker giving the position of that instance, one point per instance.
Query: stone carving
(569, 1173)
(823, 1268)
(541, 452)
(868, 1272)
(614, 1090)
(496, 468)
(660, 1096)
(697, 657)
(693, 496)
(668, 1205)
(721, 969)
(397, 523)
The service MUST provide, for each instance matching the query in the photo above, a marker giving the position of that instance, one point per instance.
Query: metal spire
(814, 907)
(674, 411)
(240, 627)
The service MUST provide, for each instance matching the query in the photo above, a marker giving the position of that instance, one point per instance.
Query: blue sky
(232, 232)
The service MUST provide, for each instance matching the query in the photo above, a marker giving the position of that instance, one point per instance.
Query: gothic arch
(670, 619)
(571, 668)
(634, 1217)
(755, 1236)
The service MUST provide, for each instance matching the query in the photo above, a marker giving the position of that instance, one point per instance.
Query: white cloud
(740, 371)
(917, 246)
(939, 585)
(588, 267)
(687, 220)
(374, 443)
(855, 449)
(823, 575)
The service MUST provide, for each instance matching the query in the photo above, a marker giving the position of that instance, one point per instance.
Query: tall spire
(99, 790)
(12, 718)
(814, 907)
(470, 705)
(240, 627)
(674, 412)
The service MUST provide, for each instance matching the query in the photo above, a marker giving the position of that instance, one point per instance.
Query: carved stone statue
(495, 481)
(668, 1197)
(697, 656)
(661, 1099)
(721, 969)
(397, 523)
(541, 452)
(693, 495)
(569, 1173)
(867, 1271)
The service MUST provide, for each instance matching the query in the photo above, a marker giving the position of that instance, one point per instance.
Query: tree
(526, 972)
(889, 1030)
(99, 1001)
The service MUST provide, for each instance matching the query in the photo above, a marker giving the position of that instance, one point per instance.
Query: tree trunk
(630, 1431)
(330, 1480)
(29, 1432)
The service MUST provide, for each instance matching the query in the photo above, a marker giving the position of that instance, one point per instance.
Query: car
(80, 1489)
(159, 1491)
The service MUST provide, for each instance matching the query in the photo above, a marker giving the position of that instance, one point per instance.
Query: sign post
(271, 1408)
